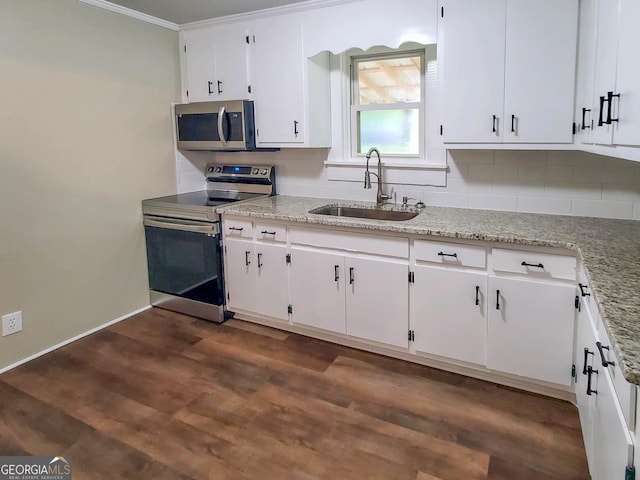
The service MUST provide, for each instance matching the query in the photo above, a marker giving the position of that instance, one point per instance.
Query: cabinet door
(240, 273)
(448, 311)
(378, 300)
(613, 446)
(231, 62)
(585, 111)
(540, 67)
(605, 72)
(472, 42)
(627, 107)
(200, 64)
(272, 283)
(530, 329)
(584, 357)
(277, 80)
(317, 289)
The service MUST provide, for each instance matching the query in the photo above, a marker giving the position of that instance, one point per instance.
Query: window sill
(398, 173)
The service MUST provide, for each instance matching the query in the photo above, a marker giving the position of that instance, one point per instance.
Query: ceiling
(187, 11)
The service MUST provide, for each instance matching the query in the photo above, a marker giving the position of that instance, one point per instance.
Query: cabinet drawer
(625, 392)
(271, 232)
(238, 228)
(377, 245)
(541, 265)
(454, 254)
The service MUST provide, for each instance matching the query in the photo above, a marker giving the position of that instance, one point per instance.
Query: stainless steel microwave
(222, 126)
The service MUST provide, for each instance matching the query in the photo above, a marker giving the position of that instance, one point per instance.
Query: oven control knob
(254, 171)
(210, 169)
(263, 171)
(218, 169)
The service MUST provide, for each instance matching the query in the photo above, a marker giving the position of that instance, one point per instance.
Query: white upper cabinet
(508, 70)
(472, 42)
(291, 92)
(584, 111)
(215, 60)
(617, 74)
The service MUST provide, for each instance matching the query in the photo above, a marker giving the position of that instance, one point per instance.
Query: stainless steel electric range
(184, 244)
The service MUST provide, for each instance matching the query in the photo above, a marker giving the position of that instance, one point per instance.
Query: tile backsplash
(554, 182)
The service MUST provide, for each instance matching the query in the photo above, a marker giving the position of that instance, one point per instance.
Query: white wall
(85, 135)
(555, 182)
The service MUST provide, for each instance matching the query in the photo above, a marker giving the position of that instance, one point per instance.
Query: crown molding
(265, 13)
(132, 13)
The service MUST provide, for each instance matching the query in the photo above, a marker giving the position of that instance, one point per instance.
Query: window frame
(354, 108)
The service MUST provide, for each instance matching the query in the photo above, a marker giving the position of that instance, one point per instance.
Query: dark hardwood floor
(166, 396)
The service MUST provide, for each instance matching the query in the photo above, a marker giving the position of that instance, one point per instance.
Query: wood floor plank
(163, 395)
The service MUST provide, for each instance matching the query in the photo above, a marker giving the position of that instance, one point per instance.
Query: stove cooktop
(226, 184)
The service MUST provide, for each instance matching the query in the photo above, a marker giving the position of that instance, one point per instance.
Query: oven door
(185, 259)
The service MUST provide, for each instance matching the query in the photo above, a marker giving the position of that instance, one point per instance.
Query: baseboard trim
(73, 339)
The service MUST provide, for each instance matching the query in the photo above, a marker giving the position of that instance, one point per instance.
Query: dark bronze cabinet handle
(219, 87)
(525, 264)
(584, 111)
(600, 120)
(610, 97)
(295, 128)
(477, 295)
(351, 276)
(590, 372)
(513, 123)
(336, 273)
(495, 127)
(497, 299)
(210, 85)
(246, 258)
(582, 288)
(605, 363)
(259, 260)
(584, 365)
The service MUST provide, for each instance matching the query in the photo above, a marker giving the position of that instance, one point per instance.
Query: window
(387, 104)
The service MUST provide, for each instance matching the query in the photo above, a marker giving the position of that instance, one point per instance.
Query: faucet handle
(405, 201)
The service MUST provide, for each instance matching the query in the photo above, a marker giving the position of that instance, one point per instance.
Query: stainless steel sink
(370, 213)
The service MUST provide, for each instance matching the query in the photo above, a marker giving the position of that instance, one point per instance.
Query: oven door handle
(182, 225)
(221, 115)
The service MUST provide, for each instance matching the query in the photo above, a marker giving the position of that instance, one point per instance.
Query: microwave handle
(221, 114)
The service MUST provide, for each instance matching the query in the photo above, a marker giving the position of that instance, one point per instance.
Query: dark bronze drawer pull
(525, 264)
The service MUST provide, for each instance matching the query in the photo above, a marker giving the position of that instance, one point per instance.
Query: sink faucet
(380, 197)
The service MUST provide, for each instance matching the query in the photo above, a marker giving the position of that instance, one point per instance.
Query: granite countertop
(610, 250)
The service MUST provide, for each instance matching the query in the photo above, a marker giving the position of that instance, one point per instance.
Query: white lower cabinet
(448, 313)
(378, 300)
(272, 296)
(345, 288)
(257, 277)
(585, 380)
(318, 289)
(362, 297)
(612, 444)
(530, 329)
(240, 274)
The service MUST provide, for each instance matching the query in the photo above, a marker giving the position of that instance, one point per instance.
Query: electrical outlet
(11, 323)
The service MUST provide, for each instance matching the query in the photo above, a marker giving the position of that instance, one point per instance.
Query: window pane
(390, 80)
(392, 131)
